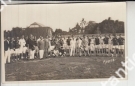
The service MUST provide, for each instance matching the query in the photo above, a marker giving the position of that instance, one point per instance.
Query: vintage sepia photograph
(69, 41)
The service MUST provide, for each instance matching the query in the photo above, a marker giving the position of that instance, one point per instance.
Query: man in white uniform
(22, 43)
(72, 46)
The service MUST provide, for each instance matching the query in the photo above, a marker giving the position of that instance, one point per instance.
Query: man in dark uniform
(27, 46)
(89, 48)
(46, 47)
(31, 46)
(106, 39)
(115, 45)
(121, 45)
(17, 47)
(97, 49)
(68, 45)
(12, 49)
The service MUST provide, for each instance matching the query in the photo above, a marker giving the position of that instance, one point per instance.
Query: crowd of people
(28, 48)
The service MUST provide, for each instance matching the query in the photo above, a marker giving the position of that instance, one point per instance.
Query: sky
(62, 16)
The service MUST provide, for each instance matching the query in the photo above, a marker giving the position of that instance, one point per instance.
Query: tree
(58, 32)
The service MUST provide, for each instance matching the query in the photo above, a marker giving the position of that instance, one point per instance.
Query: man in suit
(31, 46)
(17, 49)
(7, 49)
(12, 49)
(46, 47)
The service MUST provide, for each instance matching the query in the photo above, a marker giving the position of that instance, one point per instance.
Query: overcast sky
(62, 16)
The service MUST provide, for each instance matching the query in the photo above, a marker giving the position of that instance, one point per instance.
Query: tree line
(91, 27)
(83, 27)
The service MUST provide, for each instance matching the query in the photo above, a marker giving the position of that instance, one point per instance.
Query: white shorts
(17, 51)
(115, 46)
(22, 49)
(68, 46)
(51, 48)
(101, 46)
(97, 46)
(92, 47)
(12, 51)
(87, 47)
(121, 46)
(106, 46)
(64, 46)
(110, 46)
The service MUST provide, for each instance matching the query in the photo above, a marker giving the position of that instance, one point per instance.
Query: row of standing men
(30, 47)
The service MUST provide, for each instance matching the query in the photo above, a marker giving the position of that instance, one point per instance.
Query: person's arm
(19, 42)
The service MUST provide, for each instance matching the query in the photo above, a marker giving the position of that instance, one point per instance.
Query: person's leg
(122, 49)
(119, 50)
(21, 53)
(90, 51)
(116, 51)
(84, 50)
(75, 51)
(96, 51)
(113, 50)
(71, 51)
(42, 53)
(93, 48)
(33, 52)
(107, 50)
(122, 52)
(9, 55)
(80, 52)
(6, 56)
(18, 54)
(101, 51)
(44, 56)
(87, 51)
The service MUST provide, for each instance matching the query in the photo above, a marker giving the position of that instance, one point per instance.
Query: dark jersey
(27, 42)
(12, 44)
(89, 40)
(31, 44)
(61, 42)
(68, 42)
(6, 45)
(121, 41)
(106, 40)
(115, 41)
(17, 44)
(97, 41)
(52, 42)
(35, 42)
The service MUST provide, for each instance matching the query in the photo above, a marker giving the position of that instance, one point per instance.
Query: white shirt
(92, 41)
(22, 42)
(72, 42)
(101, 40)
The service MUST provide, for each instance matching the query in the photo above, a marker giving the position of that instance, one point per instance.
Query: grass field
(60, 68)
